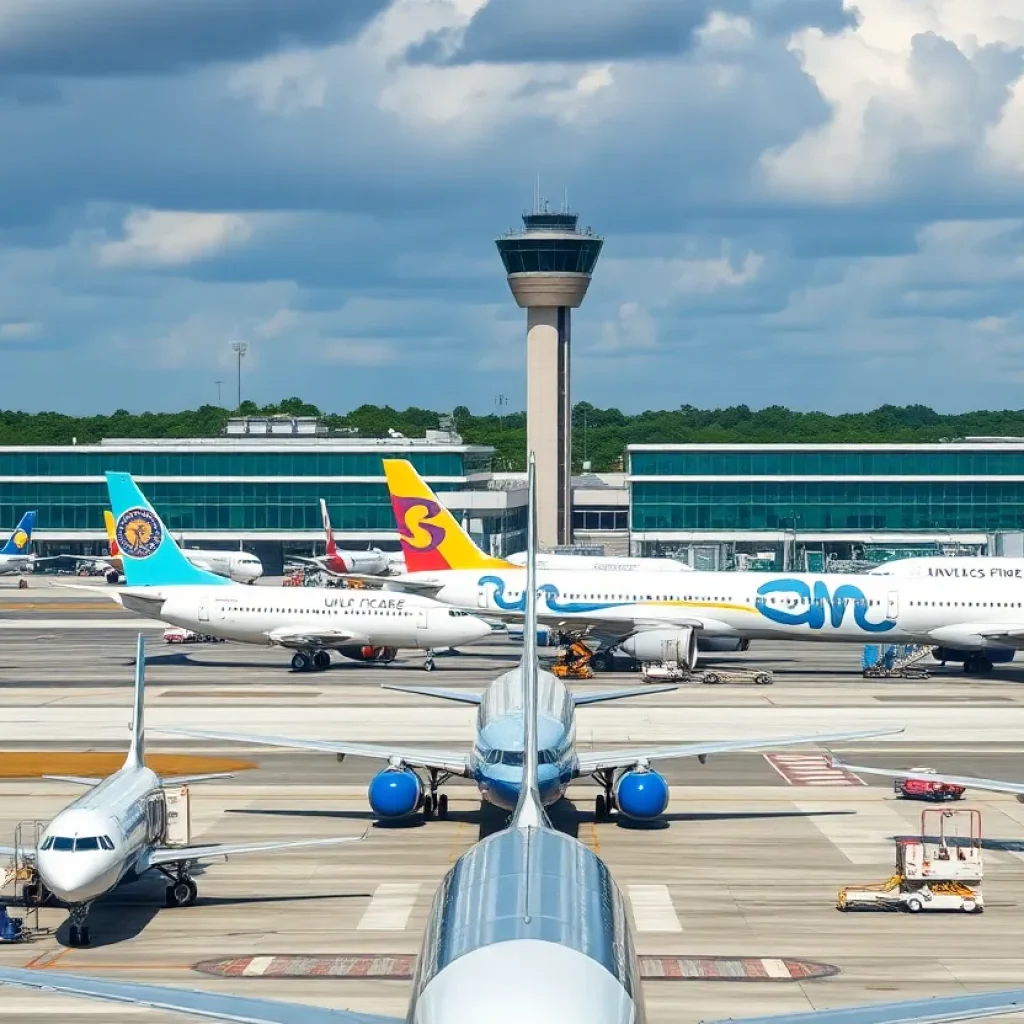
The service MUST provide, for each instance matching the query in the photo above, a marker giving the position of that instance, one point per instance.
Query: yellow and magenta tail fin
(108, 522)
(431, 537)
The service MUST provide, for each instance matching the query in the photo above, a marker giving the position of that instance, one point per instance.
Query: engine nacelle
(395, 792)
(367, 653)
(678, 645)
(722, 644)
(997, 655)
(641, 794)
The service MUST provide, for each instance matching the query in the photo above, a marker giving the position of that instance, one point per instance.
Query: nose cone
(474, 629)
(77, 877)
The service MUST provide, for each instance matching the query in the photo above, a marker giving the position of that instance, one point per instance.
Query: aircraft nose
(476, 629)
(75, 877)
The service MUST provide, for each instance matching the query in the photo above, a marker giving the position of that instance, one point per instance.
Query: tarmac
(736, 887)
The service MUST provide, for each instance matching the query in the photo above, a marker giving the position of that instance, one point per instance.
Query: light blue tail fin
(137, 751)
(18, 542)
(148, 552)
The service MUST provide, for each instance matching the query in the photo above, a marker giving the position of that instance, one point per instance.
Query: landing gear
(602, 661)
(310, 661)
(977, 664)
(434, 804)
(428, 665)
(78, 933)
(604, 804)
(182, 891)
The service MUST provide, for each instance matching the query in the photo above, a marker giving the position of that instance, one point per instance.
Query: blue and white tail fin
(137, 751)
(148, 552)
(529, 812)
(18, 542)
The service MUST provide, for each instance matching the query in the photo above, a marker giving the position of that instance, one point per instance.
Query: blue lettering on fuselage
(548, 593)
(814, 604)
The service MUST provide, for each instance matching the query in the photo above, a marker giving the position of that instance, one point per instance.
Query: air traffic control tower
(549, 264)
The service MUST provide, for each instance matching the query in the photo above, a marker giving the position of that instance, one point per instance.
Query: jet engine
(367, 653)
(663, 645)
(722, 644)
(642, 794)
(395, 792)
(997, 655)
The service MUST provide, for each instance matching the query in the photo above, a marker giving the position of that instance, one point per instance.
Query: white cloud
(173, 238)
(709, 275)
(16, 330)
(632, 330)
(282, 84)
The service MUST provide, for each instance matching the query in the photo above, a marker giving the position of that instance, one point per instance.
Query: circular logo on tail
(138, 533)
(20, 539)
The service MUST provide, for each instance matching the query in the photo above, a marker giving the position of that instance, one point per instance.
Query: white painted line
(775, 968)
(865, 837)
(257, 966)
(652, 909)
(390, 907)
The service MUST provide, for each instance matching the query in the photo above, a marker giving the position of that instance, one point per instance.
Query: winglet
(137, 751)
(431, 537)
(529, 812)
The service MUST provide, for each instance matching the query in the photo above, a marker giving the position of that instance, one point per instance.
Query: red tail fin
(332, 548)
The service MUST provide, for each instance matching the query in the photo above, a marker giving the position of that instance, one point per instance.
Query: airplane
(115, 832)
(977, 621)
(240, 566)
(338, 562)
(528, 904)
(363, 626)
(495, 762)
(15, 556)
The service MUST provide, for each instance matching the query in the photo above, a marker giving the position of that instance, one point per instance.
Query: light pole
(241, 348)
(218, 383)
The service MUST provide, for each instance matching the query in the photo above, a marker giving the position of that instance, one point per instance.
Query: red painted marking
(754, 969)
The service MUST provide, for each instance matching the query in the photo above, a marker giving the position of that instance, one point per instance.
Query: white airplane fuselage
(239, 566)
(960, 567)
(16, 563)
(256, 615)
(828, 607)
(108, 830)
(595, 563)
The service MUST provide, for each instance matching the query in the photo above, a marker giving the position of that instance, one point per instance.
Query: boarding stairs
(895, 661)
(21, 877)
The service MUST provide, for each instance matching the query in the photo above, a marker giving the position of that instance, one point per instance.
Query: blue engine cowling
(642, 795)
(395, 792)
(997, 655)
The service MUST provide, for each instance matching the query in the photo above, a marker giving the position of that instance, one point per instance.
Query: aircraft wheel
(428, 806)
(602, 661)
(301, 662)
(321, 660)
(83, 935)
(914, 905)
(442, 806)
(600, 808)
(181, 894)
(73, 935)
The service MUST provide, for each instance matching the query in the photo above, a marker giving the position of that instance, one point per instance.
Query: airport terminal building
(714, 506)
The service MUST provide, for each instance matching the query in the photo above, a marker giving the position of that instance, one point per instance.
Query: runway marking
(453, 853)
(257, 966)
(652, 909)
(865, 837)
(811, 770)
(390, 908)
(595, 844)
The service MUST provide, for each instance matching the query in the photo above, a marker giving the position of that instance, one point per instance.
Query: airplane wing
(210, 1005)
(599, 696)
(967, 781)
(213, 851)
(77, 780)
(187, 780)
(592, 761)
(459, 696)
(6, 851)
(937, 1010)
(443, 760)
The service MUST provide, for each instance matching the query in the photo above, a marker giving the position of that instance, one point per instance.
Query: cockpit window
(63, 843)
(106, 842)
(88, 843)
(513, 758)
(47, 843)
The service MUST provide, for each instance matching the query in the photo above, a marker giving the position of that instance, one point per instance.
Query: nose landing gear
(78, 933)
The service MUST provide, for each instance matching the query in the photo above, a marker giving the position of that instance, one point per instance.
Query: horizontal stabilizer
(77, 780)
(187, 780)
(599, 696)
(459, 696)
(189, 1001)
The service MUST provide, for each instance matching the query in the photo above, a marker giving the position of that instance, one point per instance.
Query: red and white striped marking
(811, 770)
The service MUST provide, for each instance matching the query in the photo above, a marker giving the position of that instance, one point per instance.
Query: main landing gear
(428, 665)
(311, 661)
(604, 803)
(182, 891)
(434, 804)
(977, 664)
(78, 934)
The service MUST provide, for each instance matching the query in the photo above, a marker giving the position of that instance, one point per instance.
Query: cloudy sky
(805, 202)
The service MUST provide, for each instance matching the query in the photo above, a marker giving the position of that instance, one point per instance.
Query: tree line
(600, 436)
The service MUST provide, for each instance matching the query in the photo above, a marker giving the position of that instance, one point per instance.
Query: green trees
(599, 435)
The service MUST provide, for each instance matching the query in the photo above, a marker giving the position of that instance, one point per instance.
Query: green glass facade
(837, 462)
(837, 506)
(68, 462)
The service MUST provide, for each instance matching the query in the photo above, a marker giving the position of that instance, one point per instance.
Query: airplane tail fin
(431, 537)
(149, 556)
(108, 522)
(529, 812)
(332, 548)
(137, 751)
(18, 542)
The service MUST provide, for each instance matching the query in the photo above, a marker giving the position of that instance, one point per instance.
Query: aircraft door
(481, 597)
(156, 818)
(204, 612)
(892, 608)
(421, 618)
